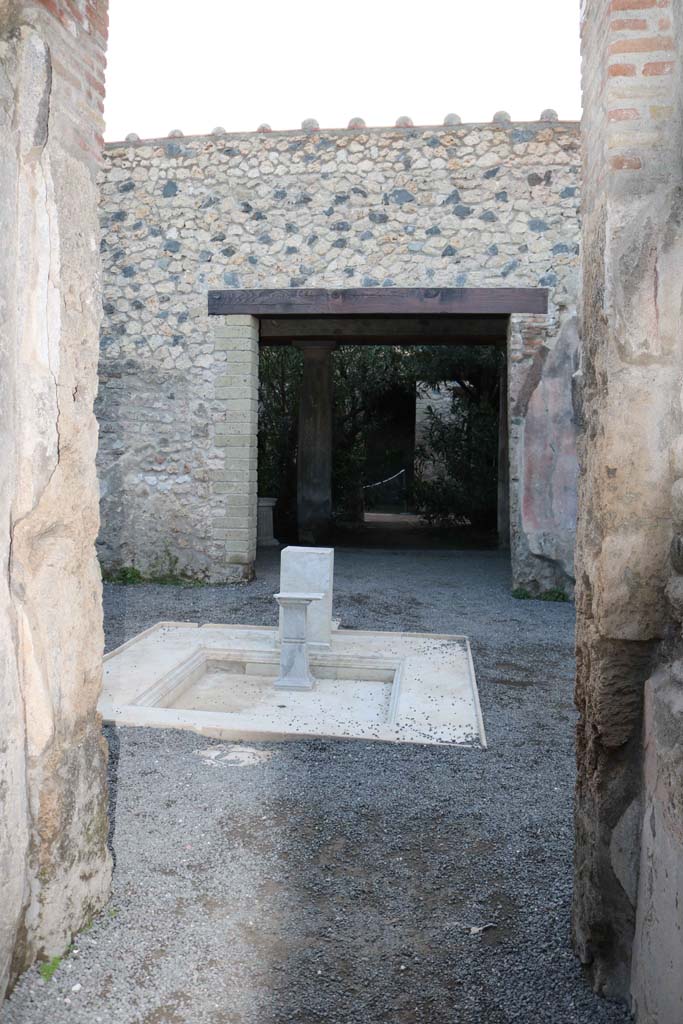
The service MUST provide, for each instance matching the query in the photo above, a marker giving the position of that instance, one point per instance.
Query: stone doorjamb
(234, 425)
(541, 549)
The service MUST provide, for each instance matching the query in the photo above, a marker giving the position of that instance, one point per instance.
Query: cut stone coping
(369, 129)
(217, 680)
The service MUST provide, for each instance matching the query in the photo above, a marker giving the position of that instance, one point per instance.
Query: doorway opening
(318, 324)
(416, 452)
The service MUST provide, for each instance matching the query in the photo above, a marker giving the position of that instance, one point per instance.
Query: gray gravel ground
(337, 881)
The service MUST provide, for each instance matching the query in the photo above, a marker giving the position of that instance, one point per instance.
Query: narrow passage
(318, 882)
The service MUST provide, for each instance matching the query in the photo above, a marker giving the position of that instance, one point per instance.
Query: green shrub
(126, 574)
(456, 479)
(374, 403)
(554, 594)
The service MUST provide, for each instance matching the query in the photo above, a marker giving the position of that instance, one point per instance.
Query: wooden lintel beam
(275, 302)
(398, 327)
(418, 339)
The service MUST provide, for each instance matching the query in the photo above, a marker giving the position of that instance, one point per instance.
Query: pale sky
(195, 65)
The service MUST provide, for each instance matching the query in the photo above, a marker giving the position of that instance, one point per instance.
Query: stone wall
(543, 359)
(54, 864)
(456, 205)
(631, 768)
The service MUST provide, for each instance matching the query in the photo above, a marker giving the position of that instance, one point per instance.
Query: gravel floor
(329, 882)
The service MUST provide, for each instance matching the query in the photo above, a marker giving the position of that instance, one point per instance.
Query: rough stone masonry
(484, 205)
(629, 691)
(629, 871)
(54, 864)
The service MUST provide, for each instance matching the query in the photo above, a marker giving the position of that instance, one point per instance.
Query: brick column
(234, 427)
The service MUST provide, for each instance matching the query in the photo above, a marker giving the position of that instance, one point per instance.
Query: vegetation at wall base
(48, 968)
(128, 575)
(125, 574)
(554, 594)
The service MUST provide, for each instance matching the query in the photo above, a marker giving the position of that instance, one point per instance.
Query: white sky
(236, 63)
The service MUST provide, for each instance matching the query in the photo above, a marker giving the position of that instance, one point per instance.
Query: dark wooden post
(503, 463)
(314, 454)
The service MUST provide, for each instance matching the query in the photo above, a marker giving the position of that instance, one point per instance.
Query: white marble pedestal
(295, 672)
(264, 523)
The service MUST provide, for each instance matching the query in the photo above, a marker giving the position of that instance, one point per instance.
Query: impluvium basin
(218, 680)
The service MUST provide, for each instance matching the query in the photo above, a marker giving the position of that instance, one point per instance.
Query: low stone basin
(238, 684)
(219, 681)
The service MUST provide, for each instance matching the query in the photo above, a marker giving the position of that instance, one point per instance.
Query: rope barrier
(388, 480)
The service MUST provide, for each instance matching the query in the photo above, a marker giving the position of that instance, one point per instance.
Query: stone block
(235, 434)
(236, 343)
(245, 549)
(235, 321)
(232, 393)
(311, 570)
(657, 980)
